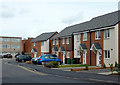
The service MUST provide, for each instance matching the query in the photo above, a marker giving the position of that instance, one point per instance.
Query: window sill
(107, 58)
(106, 38)
(84, 40)
(97, 38)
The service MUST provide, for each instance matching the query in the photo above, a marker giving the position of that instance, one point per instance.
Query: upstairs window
(97, 35)
(107, 33)
(78, 37)
(85, 36)
(15, 40)
(34, 43)
(53, 42)
(57, 42)
(63, 41)
(68, 40)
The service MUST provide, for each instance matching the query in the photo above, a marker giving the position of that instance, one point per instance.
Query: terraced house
(42, 44)
(93, 42)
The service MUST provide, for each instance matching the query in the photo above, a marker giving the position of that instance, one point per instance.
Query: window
(84, 36)
(63, 41)
(107, 33)
(78, 37)
(68, 40)
(68, 54)
(5, 46)
(34, 43)
(97, 35)
(78, 53)
(6, 39)
(15, 40)
(53, 42)
(42, 43)
(107, 54)
(56, 42)
(15, 46)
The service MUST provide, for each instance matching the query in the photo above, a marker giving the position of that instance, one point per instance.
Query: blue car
(48, 58)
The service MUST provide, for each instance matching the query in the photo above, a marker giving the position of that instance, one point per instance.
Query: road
(13, 72)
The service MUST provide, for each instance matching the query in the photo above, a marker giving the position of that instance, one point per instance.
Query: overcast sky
(29, 18)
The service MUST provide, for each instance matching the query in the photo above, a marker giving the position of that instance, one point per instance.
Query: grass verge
(78, 65)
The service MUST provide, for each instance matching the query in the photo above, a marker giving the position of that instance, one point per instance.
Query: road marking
(39, 73)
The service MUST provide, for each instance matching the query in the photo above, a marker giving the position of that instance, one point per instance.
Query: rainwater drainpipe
(90, 47)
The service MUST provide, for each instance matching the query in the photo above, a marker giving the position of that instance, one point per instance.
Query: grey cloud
(73, 19)
(7, 12)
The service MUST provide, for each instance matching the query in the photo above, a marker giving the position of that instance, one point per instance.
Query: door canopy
(34, 50)
(54, 49)
(96, 47)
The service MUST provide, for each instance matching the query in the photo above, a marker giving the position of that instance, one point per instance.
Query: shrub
(52, 64)
(116, 65)
(104, 66)
(111, 67)
(86, 67)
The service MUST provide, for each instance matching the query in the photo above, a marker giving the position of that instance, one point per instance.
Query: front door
(63, 57)
(98, 58)
(84, 57)
(35, 55)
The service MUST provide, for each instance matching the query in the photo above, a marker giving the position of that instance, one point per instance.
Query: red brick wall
(87, 43)
(38, 48)
(93, 55)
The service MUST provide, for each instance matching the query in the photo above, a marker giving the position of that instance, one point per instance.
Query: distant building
(27, 46)
(10, 45)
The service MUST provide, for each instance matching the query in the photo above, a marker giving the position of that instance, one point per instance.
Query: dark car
(7, 56)
(48, 58)
(24, 58)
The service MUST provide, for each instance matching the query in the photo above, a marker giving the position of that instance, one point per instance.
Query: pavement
(92, 76)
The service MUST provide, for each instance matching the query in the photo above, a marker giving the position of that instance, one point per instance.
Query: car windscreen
(47, 57)
(52, 57)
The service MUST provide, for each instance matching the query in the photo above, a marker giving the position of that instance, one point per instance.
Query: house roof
(43, 37)
(107, 20)
(83, 46)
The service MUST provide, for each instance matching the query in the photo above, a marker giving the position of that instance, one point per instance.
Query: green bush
(111, 67)
(116, 65)
(86, 67)
(104, 66)
(52, 64)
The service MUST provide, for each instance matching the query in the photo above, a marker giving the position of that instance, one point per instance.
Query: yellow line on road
(39, 73)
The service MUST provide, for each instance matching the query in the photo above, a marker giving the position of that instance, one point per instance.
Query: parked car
(47, 58)
(17, 55)
(34, 60)
(7, 56)
(24, 58)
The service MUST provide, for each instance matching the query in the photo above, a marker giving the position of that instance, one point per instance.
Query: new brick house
(42, 44)
(97, 41)
(93, 42)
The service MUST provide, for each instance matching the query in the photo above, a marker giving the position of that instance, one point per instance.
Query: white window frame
(63, 41)
(6, 39)
(53, 42)
(106, 36)
(68, 54)
(15, 40)
(16, 46)
(108, 54)
(85, 36)
(68, 40)
(34, 44)
(97, 35)
(78, 37)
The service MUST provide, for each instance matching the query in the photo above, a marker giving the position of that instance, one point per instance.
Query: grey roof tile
(107, 20)
(43, 37)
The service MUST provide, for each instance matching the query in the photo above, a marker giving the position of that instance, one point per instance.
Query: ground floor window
(107, 53)
(78, 53)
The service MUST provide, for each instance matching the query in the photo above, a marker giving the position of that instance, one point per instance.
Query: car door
(46, 58)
